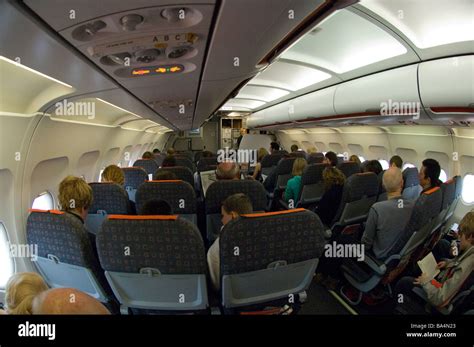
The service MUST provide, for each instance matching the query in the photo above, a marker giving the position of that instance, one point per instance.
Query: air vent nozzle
(130, 21)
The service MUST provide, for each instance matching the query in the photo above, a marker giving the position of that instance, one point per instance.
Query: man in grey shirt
(387, 219)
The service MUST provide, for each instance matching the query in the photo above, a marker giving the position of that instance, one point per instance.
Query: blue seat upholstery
(65, 253)
(266, 257)
(411, 184)
(109, 198)
(315, 158)
(149, 165)
(349, 168)
(178, 194)
(154, 263)
(134, 177)
(312, 184)
(185, 162)
(181, 173)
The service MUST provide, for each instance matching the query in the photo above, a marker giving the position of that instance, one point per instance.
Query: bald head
(67, 301)
(228, 170)
(393, 180)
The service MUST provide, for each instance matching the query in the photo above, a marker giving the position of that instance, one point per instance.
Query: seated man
(454, 272)
(294, 148)
(164, 175)
(67, 301)
(330, 158)
(228, 170)
(396, 161)
(156, 151)
(156, 207)
(387, 219)
(148, 155)
(232, 208)
(429, 174)
(169, 161)
(274, 147)
(75, 197)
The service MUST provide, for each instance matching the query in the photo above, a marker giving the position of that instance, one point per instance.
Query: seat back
(218, 191)
(315, 158)
(278, 254)
(149, 165)
(181, 173)
(411, 184)
(270, 161)
(382, 192)
(185, 162)
(159, 159)
(109, 198)
(283, 172)
(312, 188)
(154, 262)
(448, 189)
(134, 177)
(207, 164)
(178, 194)
(65, 253)
(349, 168)
(359, 194)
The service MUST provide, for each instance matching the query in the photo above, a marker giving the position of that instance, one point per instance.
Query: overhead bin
(384, 93)
(278, 114)
(447, 85)
(314, 105)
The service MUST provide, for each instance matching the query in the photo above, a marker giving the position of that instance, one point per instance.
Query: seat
(366, 275)
(312, 185)
(283, 172)
(159, 159)
(411, 184)
(181, 173)
(65, 253)
(155, 263)
(184, 161)
(178, 194)
(218, 191)
(149, 165)
(207, 164)
(315, 158)
(382, 192)
(134, 177)
(349, 168)
(269, 259)
(109, 198)
(270, 161)
(359, 194)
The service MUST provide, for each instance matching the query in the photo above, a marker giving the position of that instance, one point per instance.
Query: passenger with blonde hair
(311, 150)
(355, 159)
(333, 180)
(20, 291)
(293, 186)
(257, 172)
(113, 174)
(75, 197)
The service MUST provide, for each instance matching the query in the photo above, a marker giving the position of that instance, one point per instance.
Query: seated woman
(453, 273)
(293, 186)
(333, 180)
(257, 172)
(355, 159)
(114, 174)
(20, 291)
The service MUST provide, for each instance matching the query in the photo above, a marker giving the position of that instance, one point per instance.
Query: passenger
(387, 219)
(293, 186)
(330, 158)
(257, 172)
(156, 207)
(114, 174)
(354, 158)
(156, 151)
(67, 301)
(373, 166)
(165, 175)
(20, 291)
(429, 174)
(274, 147)
(171, 151)
(75, 197)
(232, 207)
(148, 155)
(294, 148)
(169, 161)
(396, 161)
(453, 272)
(228, 170)
(333, 180)
(311, 150)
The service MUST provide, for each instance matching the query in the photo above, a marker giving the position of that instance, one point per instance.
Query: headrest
(410, 177)
(149, 217)
(163, 181)
(269, 214)
(31, 210)
(313, 173)
(134, 168)
(359, 185)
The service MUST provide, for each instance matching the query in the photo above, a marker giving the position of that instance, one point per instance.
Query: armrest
(377, 266)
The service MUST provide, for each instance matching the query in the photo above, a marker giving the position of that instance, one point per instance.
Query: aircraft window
(44, 201)
(442, 176)
(100, 175)
(468, 189)
(361, 158)
(6, 261)
(407, 165)
(384, 164)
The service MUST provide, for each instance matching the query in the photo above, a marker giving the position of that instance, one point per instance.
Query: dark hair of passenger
(207, 154)
(148, 155)
(294, 148)
(332, 157)
(156, 151)
(397, 160)
(373, 166)
(238, 203)
(275, 146)
(156, 207)
(165, 175)
(332, 176)
(169, 161)
(432, 171)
